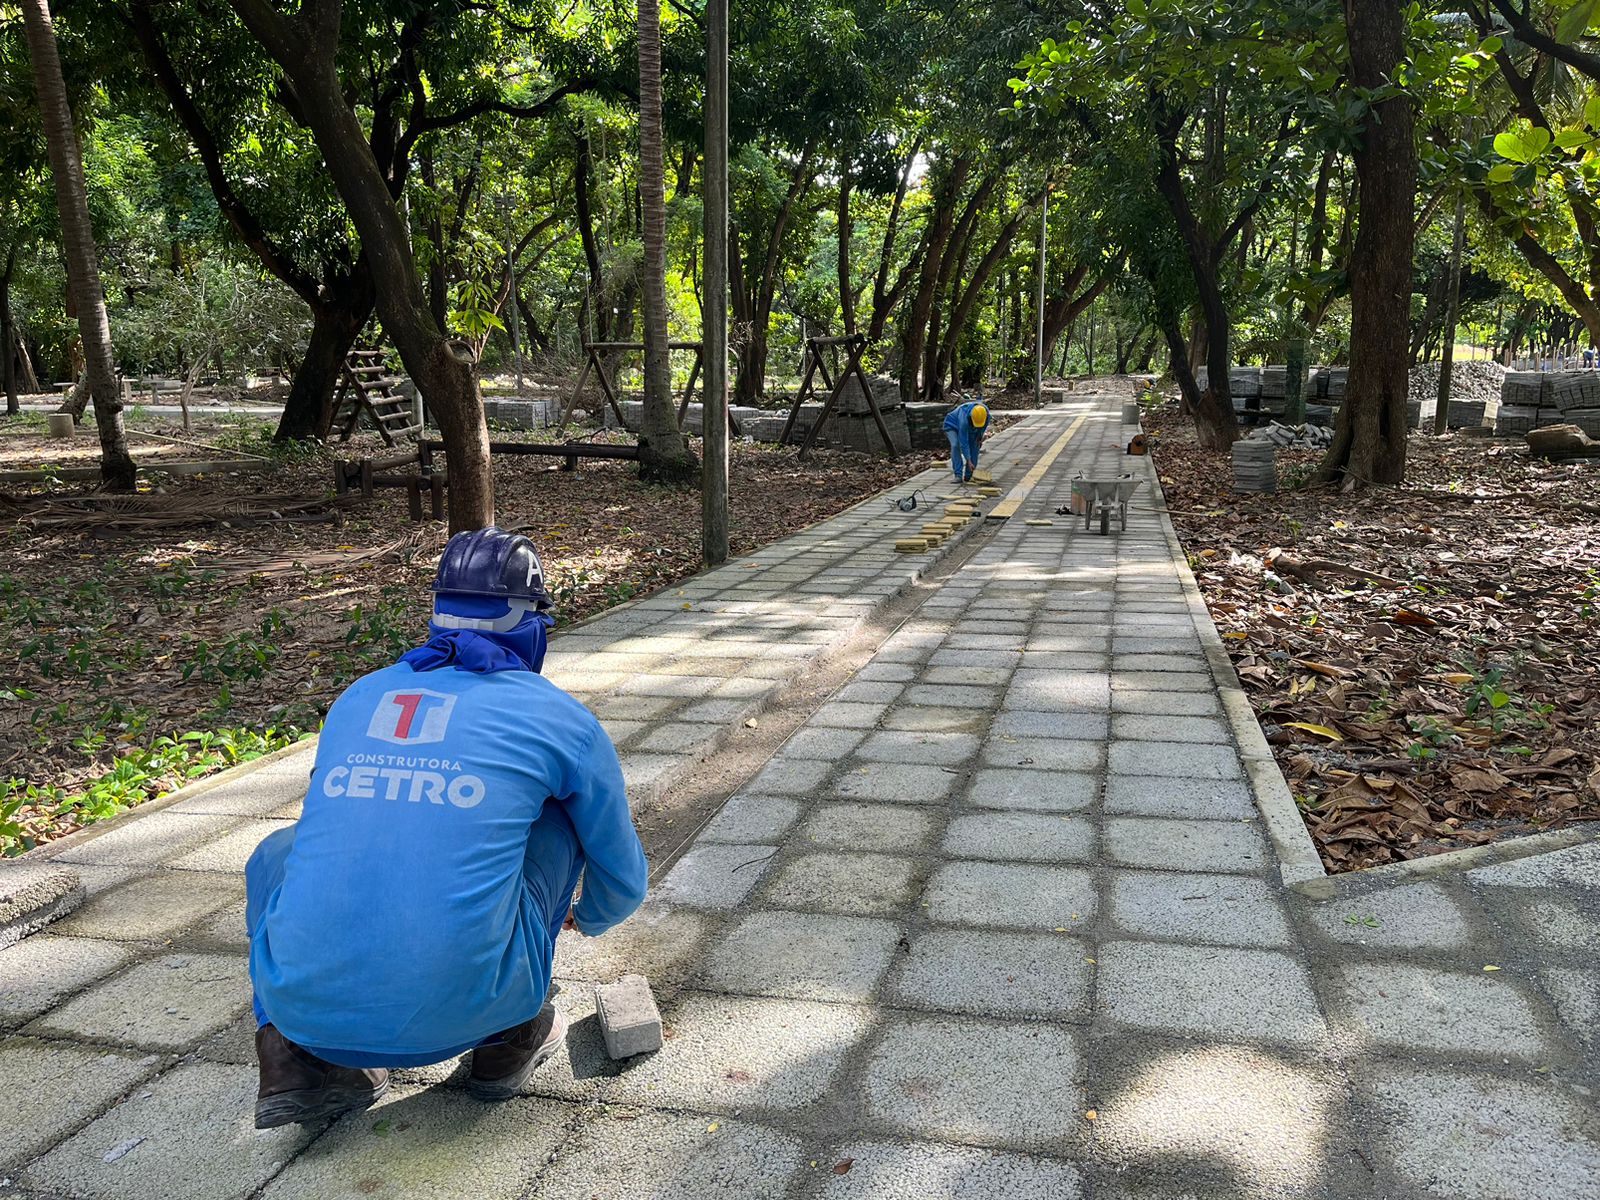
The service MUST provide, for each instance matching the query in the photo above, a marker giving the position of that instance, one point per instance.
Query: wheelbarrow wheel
(1105, 520)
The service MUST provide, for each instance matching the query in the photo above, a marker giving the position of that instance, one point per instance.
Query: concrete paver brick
(977, 676)
(42, 969)
(882, 827)
(1058, 691)
(1208, 991)
(996, 974)
(1407, 1006)
(739, 1053)
(51, 1086)
(715, 876)
(1576, 993)
(923, 1170)
(785, 776)
(842, 882)
(869, 692)
(192, 1134)
(1159, 662)
(1075, 726)
(1184, 760)
(1170, 728)
(1452, 1134)
(662, 1156)
(1575, 866)
(894, 782)
(752, 819)
(901, 746)
(1561, 923)
(1033, 789)
(165, 1003)
(229, 852)
(827, 745)
(1010, 895)
(1227, 910)
(977, 1082)
(1044, 754)
(1159, 703)
(154, 907)
(154, 838)
(802, 956)
(629, 1019)
(1020, 836)
(920, 718)
(1179, 844)
(1167, 796)
(33, 894)
(841, 715)
(1154, 681)
(1417, 916)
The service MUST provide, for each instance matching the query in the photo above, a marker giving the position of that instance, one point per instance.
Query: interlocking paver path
(1004, 918)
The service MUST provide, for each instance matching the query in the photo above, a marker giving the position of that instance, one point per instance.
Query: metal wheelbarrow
(1098, 497)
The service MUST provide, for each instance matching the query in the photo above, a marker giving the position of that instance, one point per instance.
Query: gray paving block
(1443, 1133)
(1169, 727)
(803, 956)
(1155, 681)
(1157, 702)
(1213, 1121)
(661, 1156)
(940, 749)
(46, 1088)
(841, 715)
(1176, 845)
(1208, 991)
(41, 970)
(980, 676)
(229, 852)
(996, 974)
(921, 718)
(1080, 726)
(843, 882)
(1059, 691)
(1417, 916)
(827, 745)
(1010, 895)
(1576, 993)
(32, 895)
(1044, 754)
(256, 793)
(1558, 922)
(1067, 639)
(1177, 759)
(739, 1053)
(1066, 660)
(1159, 662)
(752, 819)
(789, 777)
(145, 839)
(884, 827)
(977, 1082)
(629, 1019)
(1020, 836)
(1224, 910)
(1161, 796)
(1576, 866)
(1030, 788)
(715, 876)
(1007, 660)
(192, 1133)
(429, 1145)
(154, 907)
(893, 782)
(164, 1004)
(1406, 1006)
(933, 1171)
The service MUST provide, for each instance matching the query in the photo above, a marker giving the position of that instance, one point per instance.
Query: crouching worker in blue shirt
(965, 426)
(411, 914)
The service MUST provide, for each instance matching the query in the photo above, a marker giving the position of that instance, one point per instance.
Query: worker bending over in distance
(965, 426)
(411, 914)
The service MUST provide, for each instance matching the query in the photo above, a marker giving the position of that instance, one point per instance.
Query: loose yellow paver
(1007, 508)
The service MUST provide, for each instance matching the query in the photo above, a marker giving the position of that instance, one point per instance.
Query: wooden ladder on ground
(367, 387)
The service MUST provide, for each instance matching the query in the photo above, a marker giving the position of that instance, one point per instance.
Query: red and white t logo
(411, 717)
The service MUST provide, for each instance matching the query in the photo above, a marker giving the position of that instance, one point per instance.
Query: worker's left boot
(299, 1088)
(500, 1069)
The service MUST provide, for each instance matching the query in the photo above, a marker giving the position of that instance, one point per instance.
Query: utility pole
(1447, 355)
(1038, 337)
(714, 325)
(511, 294)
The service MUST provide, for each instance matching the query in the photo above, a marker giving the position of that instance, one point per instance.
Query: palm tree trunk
(665, 453)
(117, 469)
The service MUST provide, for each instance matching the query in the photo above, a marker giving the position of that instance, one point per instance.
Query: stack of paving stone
(1244, 384)
(851, 425)
(1299, 437)
(1527, 402)
(925, 425)
(1577, 395)
(1254, 466)
(1420, 412)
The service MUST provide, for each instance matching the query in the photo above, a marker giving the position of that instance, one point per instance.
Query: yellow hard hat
(980, 416)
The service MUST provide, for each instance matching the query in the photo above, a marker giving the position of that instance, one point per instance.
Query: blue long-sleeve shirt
(968, 436)
(404, 924)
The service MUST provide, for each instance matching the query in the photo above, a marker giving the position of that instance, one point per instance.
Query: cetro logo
(411, 717)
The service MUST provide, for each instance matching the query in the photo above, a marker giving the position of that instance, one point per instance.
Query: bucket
(62, 425)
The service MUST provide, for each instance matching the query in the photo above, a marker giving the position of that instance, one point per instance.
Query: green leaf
(1501, 173)
(1569, 138)
(1576, 20)
(1522, 146)
(1591, 112)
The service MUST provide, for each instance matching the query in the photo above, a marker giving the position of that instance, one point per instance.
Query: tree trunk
(755, 304)
(117, 470)
(961, 313)
(1369, 445)
(308, 411)
(664, 452)
(600, 313)
(305, 47)
(1178, 353)
(8, 336)
(934, 242)
(883, 298)
(847, 295)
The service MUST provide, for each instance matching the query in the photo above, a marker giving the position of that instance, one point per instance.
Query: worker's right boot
(499, 1069)
(299, 1088)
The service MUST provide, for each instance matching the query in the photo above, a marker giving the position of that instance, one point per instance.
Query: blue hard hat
(494, 566)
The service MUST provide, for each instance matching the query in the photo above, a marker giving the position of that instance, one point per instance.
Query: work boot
(499, 1070)
(299, 1088)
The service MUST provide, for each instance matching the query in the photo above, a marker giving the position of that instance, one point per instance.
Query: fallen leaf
(1322, 731)
(842, 1167)
(1092, 1115)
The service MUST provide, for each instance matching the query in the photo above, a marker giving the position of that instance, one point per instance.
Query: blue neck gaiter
(483, 653)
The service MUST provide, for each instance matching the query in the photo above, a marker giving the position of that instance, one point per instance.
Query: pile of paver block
(1530, 400)
(925, 425)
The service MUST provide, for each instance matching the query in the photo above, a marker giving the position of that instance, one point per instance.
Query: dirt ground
(235, 608)
(1422, 659)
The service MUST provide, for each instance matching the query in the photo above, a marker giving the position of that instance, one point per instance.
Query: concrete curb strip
(32, 894)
